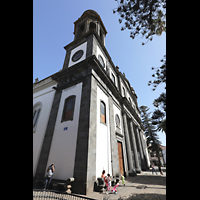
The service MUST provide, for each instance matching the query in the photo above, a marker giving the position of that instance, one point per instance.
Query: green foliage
(159, 115)
(150, 130)
(146, 17)
(159, 74)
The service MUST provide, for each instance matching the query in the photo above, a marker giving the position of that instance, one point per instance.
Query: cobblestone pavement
(144, 186)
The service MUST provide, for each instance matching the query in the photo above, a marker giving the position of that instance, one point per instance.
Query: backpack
(49, 173)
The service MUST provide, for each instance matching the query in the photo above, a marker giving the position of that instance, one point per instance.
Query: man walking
(49, 175)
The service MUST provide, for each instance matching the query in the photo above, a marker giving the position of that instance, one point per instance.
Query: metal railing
(51, 194)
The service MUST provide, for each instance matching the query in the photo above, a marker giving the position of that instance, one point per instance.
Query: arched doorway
(120, 155)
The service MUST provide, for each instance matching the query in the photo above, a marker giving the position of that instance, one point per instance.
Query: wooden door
(121, 165)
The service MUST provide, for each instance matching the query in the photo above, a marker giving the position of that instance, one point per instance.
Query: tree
(146, 17)
(150, 131)
(159, 115)
(160, 74)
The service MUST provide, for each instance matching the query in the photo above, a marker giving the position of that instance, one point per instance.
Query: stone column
(128, 145)
(85, 156)
(137, 166)
(145, 149)
(140, 149)
(113, 140)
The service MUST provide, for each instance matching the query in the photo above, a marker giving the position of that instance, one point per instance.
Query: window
(92, 26)
(113, 78)
(130, 101)
(101, 35)
(117, 121)
(81, 30)
(101, 61)
(36, 113)
(103, 112)
(77, 55)
(124, 93)
(68, 110)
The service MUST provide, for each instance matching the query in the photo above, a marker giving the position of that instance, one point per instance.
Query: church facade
(86, 116)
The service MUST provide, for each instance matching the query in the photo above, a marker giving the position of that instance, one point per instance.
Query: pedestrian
(49, 175)
(159, 167)
(153, 169)
(108, 182)
(103, 174)
(114, 190)
(123, 179)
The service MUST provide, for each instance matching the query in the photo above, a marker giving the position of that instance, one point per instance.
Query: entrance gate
(120, 154)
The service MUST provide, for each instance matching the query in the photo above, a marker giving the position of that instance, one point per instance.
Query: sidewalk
(144, 186)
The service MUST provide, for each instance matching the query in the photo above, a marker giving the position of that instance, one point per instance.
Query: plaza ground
(144, 186)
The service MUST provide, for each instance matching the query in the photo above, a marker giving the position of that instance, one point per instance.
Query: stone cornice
(45, 83)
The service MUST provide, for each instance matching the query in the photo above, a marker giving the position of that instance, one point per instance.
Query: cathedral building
(85, 116)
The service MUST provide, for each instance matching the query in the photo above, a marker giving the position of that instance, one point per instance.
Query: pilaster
(128, 145)
(140, 149)
(81, 157)
(143, 149)
(113, 140)
(137, 166)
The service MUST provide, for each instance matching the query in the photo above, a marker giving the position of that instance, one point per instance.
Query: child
(108, 182)
(123, 179)
(117, 184)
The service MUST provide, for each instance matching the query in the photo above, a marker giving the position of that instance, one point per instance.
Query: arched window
(81, 30)
(124, 93)
(117, 121)
(101, 61)
(101, 35)
(36, 113)
(103, 112)
(92, 26)
(68, 110)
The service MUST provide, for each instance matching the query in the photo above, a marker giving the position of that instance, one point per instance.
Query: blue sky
(53, 26)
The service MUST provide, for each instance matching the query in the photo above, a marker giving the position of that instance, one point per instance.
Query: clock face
(101, 60)
(77, 55)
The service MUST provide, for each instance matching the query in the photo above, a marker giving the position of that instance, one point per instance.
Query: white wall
(103, 152)
(44, 96)
(63, 147)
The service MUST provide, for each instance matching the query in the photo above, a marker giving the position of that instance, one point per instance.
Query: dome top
(94, 14)
(90, 12)
(89, 22)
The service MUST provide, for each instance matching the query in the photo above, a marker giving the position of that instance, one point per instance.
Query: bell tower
(90, 21)
(88, 26)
